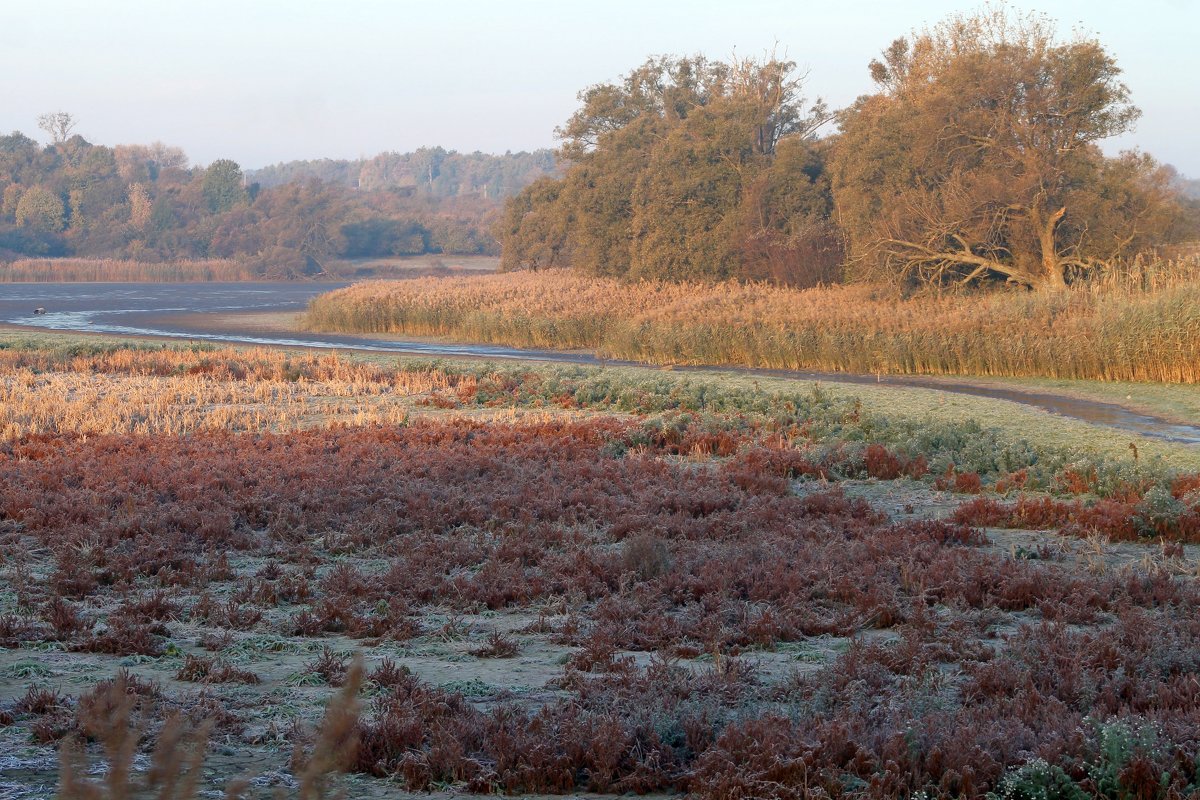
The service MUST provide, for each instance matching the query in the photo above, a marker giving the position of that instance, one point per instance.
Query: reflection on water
(177, 310)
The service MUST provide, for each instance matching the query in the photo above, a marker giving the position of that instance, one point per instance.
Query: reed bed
(226, 363)
(111, 270)
(1140, 324)
(100, 404)
(175, 392)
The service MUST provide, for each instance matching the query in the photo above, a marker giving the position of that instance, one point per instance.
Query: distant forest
(431, 171)
(144, 202)
(1190, 188)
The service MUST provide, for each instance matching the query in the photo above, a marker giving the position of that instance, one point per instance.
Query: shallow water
(199, 311)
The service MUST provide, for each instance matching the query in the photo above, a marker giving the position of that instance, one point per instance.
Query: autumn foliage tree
(40, 209)
(533, 228)
(669, 173)
(977, 159)
(144, 202)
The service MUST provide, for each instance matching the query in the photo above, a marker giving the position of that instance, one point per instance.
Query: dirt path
(1096, 412)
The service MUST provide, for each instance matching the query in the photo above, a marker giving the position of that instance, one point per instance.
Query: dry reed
(46, 270)
(176, 392)
(1138, 324)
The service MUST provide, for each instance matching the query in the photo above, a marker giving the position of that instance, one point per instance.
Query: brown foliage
(206, 670)
(497, 645)
(641, 551)
(977, 159)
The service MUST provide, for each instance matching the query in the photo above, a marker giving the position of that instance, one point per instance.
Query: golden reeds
(1139, 324)
(180, 391)
(40, 270)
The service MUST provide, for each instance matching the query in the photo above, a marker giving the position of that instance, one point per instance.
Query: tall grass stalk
(1141, 325)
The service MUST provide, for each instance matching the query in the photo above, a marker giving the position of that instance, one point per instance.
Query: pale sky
(262, 81)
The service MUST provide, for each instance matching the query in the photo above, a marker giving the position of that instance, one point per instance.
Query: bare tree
(167, 157)
(139, 162)
(58, 125)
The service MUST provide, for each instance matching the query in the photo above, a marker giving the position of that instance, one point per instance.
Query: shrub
(497, 646)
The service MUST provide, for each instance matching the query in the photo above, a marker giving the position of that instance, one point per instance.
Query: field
(1142, 326)
(382, 575)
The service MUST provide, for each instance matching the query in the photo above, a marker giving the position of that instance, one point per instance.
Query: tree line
(144, 202)
(976, 159)
(431, 171)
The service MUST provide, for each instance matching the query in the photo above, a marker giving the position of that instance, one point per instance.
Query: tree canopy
(977, 159)
(223, 185)
(73, 197)
(425, 172)
(668, 172)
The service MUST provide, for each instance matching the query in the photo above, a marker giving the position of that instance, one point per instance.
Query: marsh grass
(1124, 326)
(42, 270)
(114, 270)
(156, 390)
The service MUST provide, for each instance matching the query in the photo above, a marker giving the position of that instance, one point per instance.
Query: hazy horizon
(278, 81)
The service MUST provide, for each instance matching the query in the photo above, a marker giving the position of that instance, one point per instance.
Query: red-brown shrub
(962, 662)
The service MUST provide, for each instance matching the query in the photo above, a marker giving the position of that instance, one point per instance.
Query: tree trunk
(1052, 268)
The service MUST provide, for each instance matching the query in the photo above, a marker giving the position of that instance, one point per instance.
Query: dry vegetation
(1140, 324)
(156, 390)
(659, 587)
(38, 270)
(112, 270)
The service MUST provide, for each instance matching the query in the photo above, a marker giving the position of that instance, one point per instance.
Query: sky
(263, 81)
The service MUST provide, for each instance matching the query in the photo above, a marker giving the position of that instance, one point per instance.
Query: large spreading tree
(687, 169)
(977, 159)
